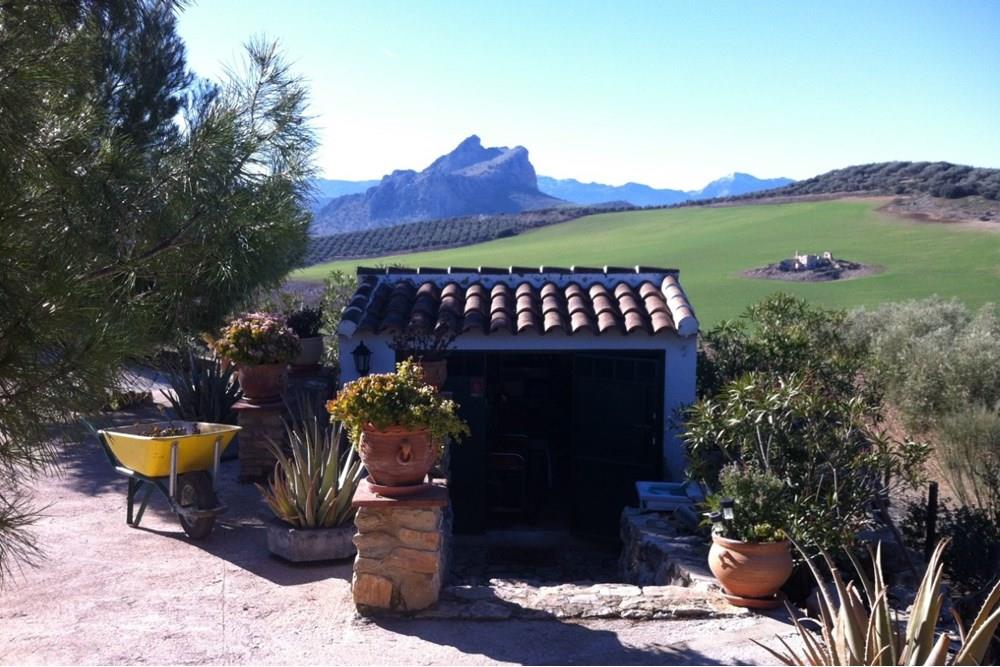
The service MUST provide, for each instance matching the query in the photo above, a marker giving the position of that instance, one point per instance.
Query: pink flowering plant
(258, 338)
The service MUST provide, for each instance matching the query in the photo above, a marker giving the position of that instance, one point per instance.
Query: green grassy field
(711, 246)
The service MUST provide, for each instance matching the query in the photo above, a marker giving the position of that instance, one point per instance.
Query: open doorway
(558, 439)
(528, 426)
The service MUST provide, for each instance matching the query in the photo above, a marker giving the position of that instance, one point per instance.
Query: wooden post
(930, 535)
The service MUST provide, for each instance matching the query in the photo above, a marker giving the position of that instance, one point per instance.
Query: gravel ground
(110, 594)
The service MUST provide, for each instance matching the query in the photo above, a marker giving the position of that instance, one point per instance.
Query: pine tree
(134, 207)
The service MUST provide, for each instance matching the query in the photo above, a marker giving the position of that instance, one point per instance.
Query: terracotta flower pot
(434, 372)
(310, 351)
(397, 459)
(750, 572)
(262, 382)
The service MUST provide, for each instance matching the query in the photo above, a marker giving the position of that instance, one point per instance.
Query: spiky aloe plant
(313, 487)
(866, 631)
(202, 390)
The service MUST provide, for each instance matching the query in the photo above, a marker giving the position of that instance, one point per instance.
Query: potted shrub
(306, 323)
(261, 345)
(750, 553)
(428, 351)
(311, 492)
(399, 425)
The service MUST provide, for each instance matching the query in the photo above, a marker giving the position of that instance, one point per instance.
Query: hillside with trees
(938, 179)
(449, 233)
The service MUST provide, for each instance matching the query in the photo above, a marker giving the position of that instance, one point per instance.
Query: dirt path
(109, 594)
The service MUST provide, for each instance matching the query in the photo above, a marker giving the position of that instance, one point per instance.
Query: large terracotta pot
(434, 372)
(310, 351)
(397, 459)
(750, 572)
(262, 382)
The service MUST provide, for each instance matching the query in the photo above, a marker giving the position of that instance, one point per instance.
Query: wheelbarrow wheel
(195, 490)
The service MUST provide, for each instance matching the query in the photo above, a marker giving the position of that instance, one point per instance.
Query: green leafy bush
(396, 399)
(757, 495)
(934, 356)
(973, 552)
(338, 288)
(969, 456)
(782, 335)
(830, 458)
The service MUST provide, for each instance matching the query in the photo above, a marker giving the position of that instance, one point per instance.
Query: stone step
(514, 599)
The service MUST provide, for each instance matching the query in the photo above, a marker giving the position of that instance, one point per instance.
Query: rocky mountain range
(473, 180)
(469, 180)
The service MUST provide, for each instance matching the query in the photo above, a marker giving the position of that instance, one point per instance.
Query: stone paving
(577, 580)
(501, 599)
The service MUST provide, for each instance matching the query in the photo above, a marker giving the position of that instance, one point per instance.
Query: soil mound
(823, 271)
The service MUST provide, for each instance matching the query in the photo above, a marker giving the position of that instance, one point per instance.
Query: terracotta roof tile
(500, 308)
(520, 300)
(451, 310)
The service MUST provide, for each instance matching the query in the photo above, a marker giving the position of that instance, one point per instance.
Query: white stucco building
(569, 378)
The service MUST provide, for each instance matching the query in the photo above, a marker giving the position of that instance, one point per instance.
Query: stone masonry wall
(401, 550)
(259, 425)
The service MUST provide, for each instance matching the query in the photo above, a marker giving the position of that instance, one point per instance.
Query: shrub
(973, 536)
(338, 288)
(402, 399)
(420, 346)
(305, 321)
(830, 458)
(781, 335)
(969, 456)
(258, 338)
(757, 495)
(933, 356)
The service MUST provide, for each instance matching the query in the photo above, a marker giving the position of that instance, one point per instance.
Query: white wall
(679, 374)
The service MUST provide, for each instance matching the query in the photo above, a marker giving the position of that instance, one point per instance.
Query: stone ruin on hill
(811, 268)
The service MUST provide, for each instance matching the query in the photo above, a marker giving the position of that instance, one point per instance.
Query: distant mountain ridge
(327, 189)
(638, 194)
(469, 180)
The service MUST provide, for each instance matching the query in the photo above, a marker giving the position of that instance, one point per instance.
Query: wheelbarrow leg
(142, 506)
(130, 499)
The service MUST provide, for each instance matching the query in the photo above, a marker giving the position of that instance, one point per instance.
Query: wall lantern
(362, 359)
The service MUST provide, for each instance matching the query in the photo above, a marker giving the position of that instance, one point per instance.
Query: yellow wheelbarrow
(173, 457)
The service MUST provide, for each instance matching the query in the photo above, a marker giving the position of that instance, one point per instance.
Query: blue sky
(672, 94)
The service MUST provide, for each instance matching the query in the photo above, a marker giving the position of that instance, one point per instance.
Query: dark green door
(467, 383)
(617, 435)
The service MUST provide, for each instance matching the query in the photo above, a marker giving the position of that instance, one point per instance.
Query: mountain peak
(470, 180)
(472, 141)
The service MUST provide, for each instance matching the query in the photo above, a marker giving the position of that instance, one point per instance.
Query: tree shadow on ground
(531, 637)
(245, 546)
(239, 536)
(545, 642)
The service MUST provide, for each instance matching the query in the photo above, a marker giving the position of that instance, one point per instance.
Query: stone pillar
(260, 424)
(402, 544)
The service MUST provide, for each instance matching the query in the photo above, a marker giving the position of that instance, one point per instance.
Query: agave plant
(313, 487)
(202, 390)
(866, 631)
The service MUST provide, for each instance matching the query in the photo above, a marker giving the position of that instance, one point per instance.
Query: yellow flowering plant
(258, 338)
(399, 399)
